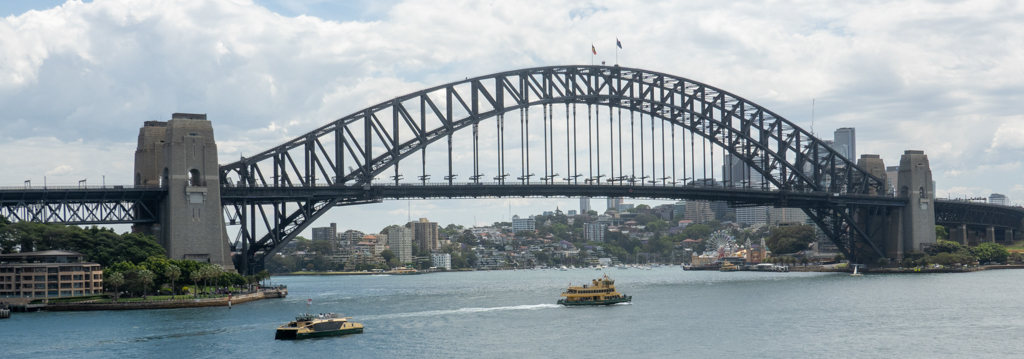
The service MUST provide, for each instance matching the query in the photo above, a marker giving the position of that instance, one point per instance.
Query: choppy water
(512, 314)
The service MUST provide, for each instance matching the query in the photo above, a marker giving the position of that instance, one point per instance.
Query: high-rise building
(786, 215)
(523, 224)
(613, 203)
(351, 236)
(584, 205)
(400, 243)
(892, 174)
(424, 233)
(752, 215)
(679, 208)
(846, 142)
(698, 211)
(322, 234)
(999, 199)
(594, 231)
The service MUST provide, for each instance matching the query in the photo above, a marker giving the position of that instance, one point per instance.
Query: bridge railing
(73, 187)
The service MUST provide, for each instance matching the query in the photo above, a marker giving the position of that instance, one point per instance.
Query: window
(40, 278)
(77, 277)
(40, 286)
(51, 278)
(194, 179)
(77, 285)
(65, 285)
(65, 277)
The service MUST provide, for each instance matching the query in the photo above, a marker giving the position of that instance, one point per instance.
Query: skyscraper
(614, 202)
(584, 205)
(846, 142)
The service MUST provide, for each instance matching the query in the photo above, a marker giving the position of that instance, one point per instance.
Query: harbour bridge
(559, 131)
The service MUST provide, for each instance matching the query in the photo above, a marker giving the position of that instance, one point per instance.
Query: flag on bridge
(618, 43)
(593, 49)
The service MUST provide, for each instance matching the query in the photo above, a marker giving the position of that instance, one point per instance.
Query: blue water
(509, 314)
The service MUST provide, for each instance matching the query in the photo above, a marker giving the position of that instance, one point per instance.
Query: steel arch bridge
(765, 158)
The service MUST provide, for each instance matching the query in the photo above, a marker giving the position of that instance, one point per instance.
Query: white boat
(855, 274)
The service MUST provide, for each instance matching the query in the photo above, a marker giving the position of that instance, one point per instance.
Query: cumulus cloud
(940, 77)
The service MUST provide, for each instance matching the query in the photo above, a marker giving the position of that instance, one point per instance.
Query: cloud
(77, 81)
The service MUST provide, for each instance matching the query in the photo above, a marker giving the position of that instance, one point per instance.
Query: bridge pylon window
(194, 179)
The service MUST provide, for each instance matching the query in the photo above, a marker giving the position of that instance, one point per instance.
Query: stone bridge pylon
(181, 156)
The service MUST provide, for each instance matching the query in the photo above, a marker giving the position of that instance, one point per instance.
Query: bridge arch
(787, 156)
(347, 154)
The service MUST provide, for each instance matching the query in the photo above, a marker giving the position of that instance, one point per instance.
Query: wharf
(277, 292)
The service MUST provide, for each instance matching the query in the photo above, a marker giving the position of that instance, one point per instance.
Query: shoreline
(161, 304)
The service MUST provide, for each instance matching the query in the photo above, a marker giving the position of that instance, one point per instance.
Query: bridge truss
(82, 205)
(585, 143)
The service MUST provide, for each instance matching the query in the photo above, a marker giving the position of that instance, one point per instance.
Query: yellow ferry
(321, 325)
(599, 292)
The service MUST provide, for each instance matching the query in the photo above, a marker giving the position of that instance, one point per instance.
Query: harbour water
(507, 314)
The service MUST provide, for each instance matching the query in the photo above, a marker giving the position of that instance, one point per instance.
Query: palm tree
(145, 277)
(172, 272)
(196, 276)
(116, 280)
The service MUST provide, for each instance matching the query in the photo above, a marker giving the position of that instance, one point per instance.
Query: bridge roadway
(381, 191)
(138, 204)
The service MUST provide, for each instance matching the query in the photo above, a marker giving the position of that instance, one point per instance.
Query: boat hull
(287, 334)
(595, 302)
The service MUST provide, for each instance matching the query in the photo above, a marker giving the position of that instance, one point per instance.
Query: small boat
(321, 325)
(599, 292)
(855, 274)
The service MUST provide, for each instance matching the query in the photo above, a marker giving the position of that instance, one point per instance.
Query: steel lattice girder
(110, 205)
(952, 213)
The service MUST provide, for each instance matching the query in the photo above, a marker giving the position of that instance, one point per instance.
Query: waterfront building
(49, 274)
(400, 243)
(523, 224)
(424, 233)
(441, 260)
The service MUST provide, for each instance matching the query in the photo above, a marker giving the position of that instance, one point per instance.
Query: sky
(78, 78)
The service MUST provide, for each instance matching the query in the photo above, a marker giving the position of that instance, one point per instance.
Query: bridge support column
(961, 234)
(990, 234)
(181, 155)
(918, 217)
(1008, 236)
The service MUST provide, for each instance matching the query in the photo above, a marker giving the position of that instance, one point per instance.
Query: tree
(388, 255)
(145, 279)
(790, 239)
(941, 232)
(943, 246)
(172, 272)
(990, 252)
(115, 280)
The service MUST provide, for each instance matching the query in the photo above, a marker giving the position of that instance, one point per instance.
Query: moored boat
(321, 325)
(599, 292)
